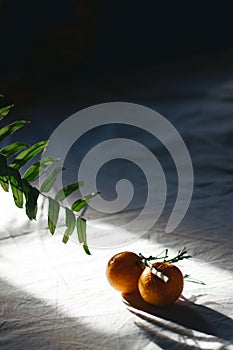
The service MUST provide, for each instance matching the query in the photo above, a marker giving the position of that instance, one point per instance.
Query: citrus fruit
(157, 292)
(123, 271)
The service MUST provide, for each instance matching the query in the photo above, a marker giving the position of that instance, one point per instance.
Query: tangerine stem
(180, 256)
(154, 270)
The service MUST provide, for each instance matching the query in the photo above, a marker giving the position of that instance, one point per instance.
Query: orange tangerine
(123, 271)
(157, 292)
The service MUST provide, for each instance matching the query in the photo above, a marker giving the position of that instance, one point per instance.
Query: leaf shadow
(185, 316)
(163, 341)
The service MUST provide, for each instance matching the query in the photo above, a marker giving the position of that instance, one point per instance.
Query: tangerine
(157, 292)
(123, 271)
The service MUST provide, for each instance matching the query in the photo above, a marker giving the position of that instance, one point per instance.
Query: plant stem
(163, 256)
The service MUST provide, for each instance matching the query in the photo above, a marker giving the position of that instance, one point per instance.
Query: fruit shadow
(185, 313)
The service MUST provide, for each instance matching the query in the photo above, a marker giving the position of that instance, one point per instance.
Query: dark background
(84, 39)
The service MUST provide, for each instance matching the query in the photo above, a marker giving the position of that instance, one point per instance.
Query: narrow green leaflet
(67, 190)
(85, 247)
(16, 186)
(28, 154)
(4, 173)
(70, 224)
(50, 180)
(11, 128)
(53, 213)
(4, 183)
(82, 235)
(81, 229)
(31, 195)
(4, 111)
(10, 150)
(82, 202)
(36, 169)
(79, 204)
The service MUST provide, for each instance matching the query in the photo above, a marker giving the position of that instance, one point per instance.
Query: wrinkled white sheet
(53, 296)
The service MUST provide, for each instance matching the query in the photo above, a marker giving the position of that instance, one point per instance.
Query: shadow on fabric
(184, 313)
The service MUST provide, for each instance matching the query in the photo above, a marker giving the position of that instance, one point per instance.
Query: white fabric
(53, 296)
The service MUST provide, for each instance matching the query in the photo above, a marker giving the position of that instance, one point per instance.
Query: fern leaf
(86, 249)
(36, 169)
(50, 180)
(53, 214)
(31, 196)
(11, 128)
(82, 202)
(67, 190)
(81, 229)
(82, 235)
(16, 186)
(4, 173)
(12, 149)
(28, 154)
(79, 204)
(4, 183)
(22, 190)
(4, 111)
(70, 224)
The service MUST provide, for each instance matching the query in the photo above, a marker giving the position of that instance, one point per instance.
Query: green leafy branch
(15, 156)
(182, 254)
